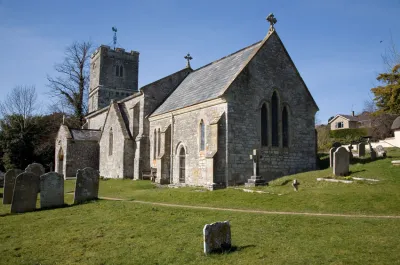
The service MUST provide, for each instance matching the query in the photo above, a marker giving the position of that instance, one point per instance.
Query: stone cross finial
(63, 122)
(255, 158)
(188, 58)
(272, 20)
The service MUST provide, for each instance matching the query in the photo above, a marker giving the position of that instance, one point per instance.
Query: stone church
(195, 127)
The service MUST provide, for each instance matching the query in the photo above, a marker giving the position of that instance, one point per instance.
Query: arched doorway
(182, 164)
(60, 165)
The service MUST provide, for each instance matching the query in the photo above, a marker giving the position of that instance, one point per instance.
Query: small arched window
(274, 115)
(110, 142)
(117, 70)
(202, 136)
(154, 144)
(264, 125)
(121, 70)
(285, 127)
(159, 142)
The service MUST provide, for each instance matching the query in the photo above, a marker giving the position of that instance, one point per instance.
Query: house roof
(207, 82)
(396, 124)
(365, 116)
(85, 134)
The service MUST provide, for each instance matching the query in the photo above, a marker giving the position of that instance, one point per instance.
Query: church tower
(113, 75)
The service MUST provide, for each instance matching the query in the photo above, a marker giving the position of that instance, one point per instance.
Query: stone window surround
(281, 105)
(202, 153)
(110, 142)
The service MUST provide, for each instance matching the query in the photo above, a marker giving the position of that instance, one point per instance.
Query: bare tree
(370, 106)
(21, 101)
(72, 83)
(391, 57)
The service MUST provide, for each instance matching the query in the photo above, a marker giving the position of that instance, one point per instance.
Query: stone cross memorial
(255, 180)
(217, 237)
(25, 193)
(380, 151)
(9, 182)
(361, 149)
(87, 185)
(51, 190)
(341, 162)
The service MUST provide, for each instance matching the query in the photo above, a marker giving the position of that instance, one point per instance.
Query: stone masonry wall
(270, 70)
(185, 132)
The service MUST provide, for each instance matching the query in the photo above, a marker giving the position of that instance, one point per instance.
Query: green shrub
(349, 134)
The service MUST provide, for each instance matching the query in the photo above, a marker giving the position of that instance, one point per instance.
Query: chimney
(352, 113)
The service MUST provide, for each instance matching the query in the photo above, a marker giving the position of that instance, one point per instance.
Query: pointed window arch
(182, 165)
(202, 136)
(285, 127)
(117, 70)
(154, 144)
(158, 141)
(264, 125)
(121, 70)
(110, 142)
(275, 119)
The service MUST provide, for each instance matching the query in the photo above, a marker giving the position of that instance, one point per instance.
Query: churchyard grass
(111, 232)
(374, 198)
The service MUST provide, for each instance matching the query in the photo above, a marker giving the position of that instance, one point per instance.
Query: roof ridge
(229, 55)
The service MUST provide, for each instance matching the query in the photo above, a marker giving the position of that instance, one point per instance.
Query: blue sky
(336, 45)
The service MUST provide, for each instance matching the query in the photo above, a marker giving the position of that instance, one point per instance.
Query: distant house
(343, 121)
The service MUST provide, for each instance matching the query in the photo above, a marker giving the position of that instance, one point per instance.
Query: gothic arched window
(154, 144)
(202, 136)
(264, 125)
(117, 70)
(159, 142)
(275, 126)
(285, 127)
(121, 71)
(110, 142)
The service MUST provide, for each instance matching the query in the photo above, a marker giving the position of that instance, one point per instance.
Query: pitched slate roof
(365, 116)
(207, 82)
(85, 134)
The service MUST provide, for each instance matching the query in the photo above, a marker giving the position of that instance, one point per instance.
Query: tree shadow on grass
(231, 249)
(286, 182)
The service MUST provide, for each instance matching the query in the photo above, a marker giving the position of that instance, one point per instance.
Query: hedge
(349, 133)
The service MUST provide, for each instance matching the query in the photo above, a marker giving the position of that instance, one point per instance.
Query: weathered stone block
(217, 237)
(51, 190)
(9, 183)
(35, 168)
(87, 185)
(25, 193)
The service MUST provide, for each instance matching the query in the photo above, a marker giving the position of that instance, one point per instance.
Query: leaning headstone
(51, 190)
(331, 151)
(35, 168)
(87, 185)
(380, 151)
(25, 193)
(341, 162)
(295, 185)
(361, 149)
(217, 237)
(9, 182)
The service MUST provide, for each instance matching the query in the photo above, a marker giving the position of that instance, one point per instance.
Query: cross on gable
(272, 20)
(188, 58)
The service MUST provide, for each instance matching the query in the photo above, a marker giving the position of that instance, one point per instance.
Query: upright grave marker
(331, 151)
(341, 162)
(9, 182)
(256, 179)
(87, 185)
(25, 193)
(51, 190)
(361, 149)
(217, 237)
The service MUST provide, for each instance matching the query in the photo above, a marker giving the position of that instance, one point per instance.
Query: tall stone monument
(256, 179)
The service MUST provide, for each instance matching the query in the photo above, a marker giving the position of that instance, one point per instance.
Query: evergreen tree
(387, 97)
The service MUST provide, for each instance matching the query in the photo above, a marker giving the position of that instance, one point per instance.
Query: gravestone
(51, 190)
(336, 145)
(256, 179)
(9, 182)
(351, 151)
(35, 168)
(1, 179)
(331, 151)
(380, 151)
(341, 162)
(217, 237)
(295, 185)
(25, 193)
(361, 149)
(87, 185)
(373, 154)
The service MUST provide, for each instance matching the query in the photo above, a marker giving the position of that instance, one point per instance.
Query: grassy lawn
(107, 232)
(379, 198)
(111, 232)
